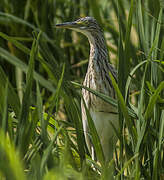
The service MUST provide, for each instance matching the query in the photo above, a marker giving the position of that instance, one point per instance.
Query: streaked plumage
(97, 78)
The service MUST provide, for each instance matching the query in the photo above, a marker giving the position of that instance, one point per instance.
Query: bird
(103, 114)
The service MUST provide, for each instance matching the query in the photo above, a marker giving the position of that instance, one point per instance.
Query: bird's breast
(95, 82)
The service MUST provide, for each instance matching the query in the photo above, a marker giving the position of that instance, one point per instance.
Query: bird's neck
(98, 51)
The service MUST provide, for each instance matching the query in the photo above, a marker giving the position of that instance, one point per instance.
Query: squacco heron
(97, 78)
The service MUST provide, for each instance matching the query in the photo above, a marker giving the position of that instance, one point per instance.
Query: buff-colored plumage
(97, 78)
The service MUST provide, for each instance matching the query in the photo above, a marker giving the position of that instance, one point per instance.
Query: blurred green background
(41, 69)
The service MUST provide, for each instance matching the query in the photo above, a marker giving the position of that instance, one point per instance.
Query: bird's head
(86, 25)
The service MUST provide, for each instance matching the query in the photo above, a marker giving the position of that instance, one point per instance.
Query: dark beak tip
(58, 25)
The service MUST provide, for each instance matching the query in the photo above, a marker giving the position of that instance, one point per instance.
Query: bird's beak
(67, 25)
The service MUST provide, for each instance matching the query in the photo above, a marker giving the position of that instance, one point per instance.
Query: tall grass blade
(127, 40)
(161, 130)
(152, 101)
(48, 151)
(13, 99)
(95, 137)
(5, 109)
(106, 98)
(18, 63)
(162, 50)
(75, 115)
(157, 33)
(22, 139)
(95, 10)
(130, 77)
(12, 167)
(23, 22)
(123, 108)
(126, 165)
(40, 115)
(141, 27)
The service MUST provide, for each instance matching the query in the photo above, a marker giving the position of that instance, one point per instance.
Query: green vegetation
(41, 72)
